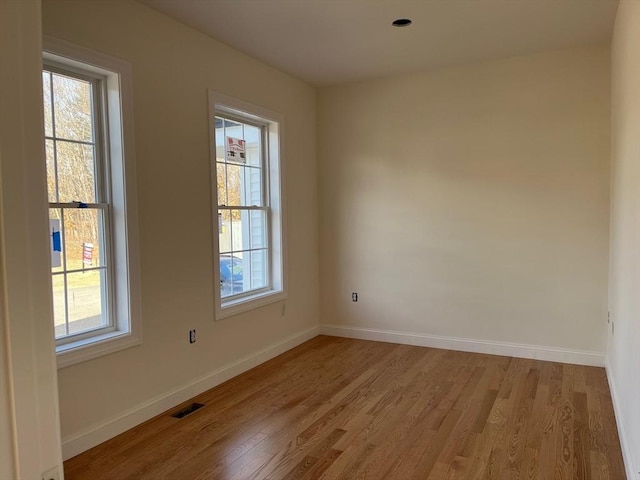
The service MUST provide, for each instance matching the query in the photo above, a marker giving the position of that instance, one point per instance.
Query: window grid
(247, 203)
(65, 208)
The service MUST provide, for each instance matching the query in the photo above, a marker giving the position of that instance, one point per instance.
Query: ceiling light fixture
(401, 22)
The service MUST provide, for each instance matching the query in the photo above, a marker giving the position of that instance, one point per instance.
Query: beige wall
(623, 353)
(470, 202)
(30, 430)
(173, 66)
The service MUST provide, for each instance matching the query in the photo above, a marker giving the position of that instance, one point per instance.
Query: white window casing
(124, 298)
(229, 108)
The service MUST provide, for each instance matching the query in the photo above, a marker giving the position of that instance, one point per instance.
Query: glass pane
(252, 186)
(239, 224)
(240, 270)
(253, 145)
(257, 229)
(244, 185)
(235, 187)
(56, 241)
(46, 96)
(59, 323)
(72, 108)
(219, 140)
(76, 172)
(224, 230)
(232, 128)
(222, 183)
(259, 269)
(51, 171)
(231, 275)
(83, 236)
(234, 144)
(85, 299)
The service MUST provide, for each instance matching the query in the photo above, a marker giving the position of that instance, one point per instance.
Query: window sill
(244, 304)
(94, 347)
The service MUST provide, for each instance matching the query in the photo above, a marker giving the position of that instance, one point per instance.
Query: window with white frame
(91, 190)
(246, 184)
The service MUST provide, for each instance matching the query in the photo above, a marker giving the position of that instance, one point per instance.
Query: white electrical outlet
(51, 474)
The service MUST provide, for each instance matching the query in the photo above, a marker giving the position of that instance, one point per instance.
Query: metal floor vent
(187, 410)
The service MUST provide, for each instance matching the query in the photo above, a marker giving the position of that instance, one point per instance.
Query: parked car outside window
(231, 278)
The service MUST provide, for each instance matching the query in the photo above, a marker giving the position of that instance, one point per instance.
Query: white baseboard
(96, 434)
(633, 472)
(578, 357)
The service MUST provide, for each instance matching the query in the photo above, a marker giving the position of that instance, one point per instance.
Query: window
(78, 204)
(246, 172)
(91, 190)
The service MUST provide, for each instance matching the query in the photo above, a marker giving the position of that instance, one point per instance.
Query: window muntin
(243, 207)
(79, 201)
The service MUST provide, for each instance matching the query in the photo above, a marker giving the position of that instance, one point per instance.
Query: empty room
(320, 239)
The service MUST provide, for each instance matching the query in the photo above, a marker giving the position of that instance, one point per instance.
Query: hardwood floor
(336, 408)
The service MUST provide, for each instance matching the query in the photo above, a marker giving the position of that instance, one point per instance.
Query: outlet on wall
(192, 336)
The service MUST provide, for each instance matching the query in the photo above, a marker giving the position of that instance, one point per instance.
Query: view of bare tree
(70, 155)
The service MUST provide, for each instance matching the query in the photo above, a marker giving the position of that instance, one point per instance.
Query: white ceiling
(333, 41)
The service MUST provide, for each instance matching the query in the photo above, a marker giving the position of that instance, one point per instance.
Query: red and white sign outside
(236, 151)
(87, 254)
